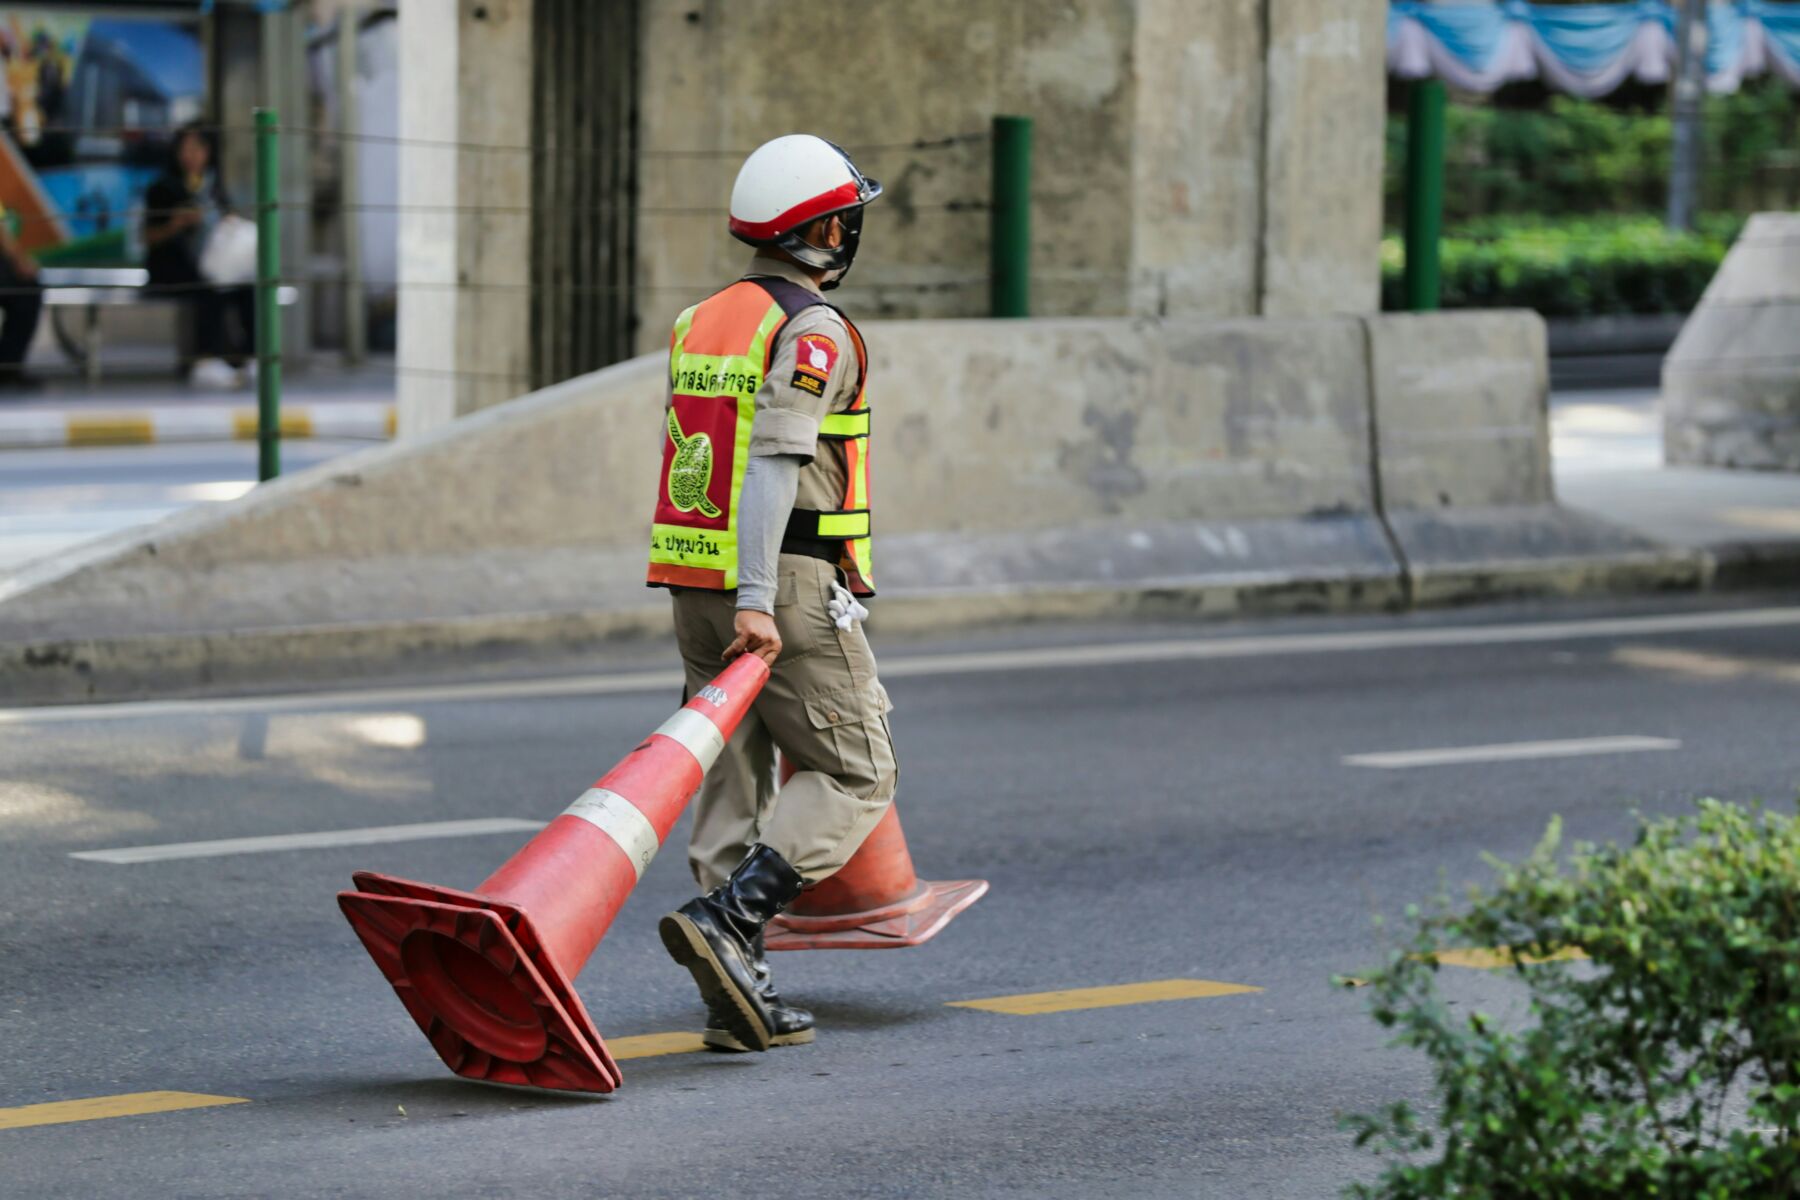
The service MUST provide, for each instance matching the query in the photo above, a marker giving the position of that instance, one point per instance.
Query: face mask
(852, 223)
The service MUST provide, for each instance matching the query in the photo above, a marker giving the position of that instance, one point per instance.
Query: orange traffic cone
(876, 901)
(487, 974)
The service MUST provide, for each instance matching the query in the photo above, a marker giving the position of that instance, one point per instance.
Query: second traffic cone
(487, 975)
(876, 901)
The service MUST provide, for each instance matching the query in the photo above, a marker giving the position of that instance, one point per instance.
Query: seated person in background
(180, 210)
(21, 299)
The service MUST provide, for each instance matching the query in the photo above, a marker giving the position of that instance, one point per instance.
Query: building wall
(723, 76)
(1212, 159)
(1206, 158)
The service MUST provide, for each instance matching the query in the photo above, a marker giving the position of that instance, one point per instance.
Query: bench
(91, 289)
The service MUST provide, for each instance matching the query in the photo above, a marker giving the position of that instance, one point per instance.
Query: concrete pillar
(1731, 382)
(1325, 86)
(465, 303)
(1256, 157)
(1196, 158)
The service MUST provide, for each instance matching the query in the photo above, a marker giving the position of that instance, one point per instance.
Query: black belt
(812, 548)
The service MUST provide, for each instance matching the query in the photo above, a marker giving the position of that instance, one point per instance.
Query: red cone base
(474, 977)
(876, 902)
(908, 922)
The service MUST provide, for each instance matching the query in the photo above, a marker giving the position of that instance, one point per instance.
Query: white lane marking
(1511, 751)
(404, 697)
(963, 663)
(309, 841)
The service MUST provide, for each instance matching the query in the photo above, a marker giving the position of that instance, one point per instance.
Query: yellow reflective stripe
(740, 459)
(683, 323)
(845, 425)
(757, 354)
(687, 546)
(759, 343)
(709, 375)
(843, 525)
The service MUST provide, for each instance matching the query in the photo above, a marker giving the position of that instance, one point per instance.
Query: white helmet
(793, 180)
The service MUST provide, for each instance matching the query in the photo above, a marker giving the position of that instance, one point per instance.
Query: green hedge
(1667, 1064)
(1574, 268)
(1589, 156)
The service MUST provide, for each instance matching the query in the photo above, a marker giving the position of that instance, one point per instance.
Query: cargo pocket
(800, 627)
(852, 739)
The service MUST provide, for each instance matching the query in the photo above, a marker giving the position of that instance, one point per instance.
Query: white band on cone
(699, 736)
(620, 820)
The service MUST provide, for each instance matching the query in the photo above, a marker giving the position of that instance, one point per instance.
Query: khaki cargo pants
(822, 708)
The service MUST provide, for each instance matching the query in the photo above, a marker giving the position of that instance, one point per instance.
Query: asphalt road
(1145, 811)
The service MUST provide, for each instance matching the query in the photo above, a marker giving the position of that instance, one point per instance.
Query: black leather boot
(790, 1025)
(711, 936)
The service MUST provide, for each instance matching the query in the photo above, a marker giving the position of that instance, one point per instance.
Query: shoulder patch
(815, 354)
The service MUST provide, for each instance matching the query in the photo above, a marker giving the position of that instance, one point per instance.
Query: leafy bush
(1582, 267)
(1666, 1066)
(1588, 156)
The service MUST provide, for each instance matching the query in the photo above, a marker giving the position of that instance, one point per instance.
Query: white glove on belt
(843, 607)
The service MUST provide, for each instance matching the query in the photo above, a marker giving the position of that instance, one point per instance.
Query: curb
(1745, 566)
(247, 661)
(211, 423)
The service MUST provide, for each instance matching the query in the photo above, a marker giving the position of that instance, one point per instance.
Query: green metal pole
(268, 304)
(1010, 238)
(1424, 192)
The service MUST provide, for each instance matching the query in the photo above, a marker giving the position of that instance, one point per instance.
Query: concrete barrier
(1731, 382)
(1023, 469)
(1463, 462)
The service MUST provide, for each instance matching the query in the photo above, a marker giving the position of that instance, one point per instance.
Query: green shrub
(1575, 267)
(1587, 156)
(1664, 1067)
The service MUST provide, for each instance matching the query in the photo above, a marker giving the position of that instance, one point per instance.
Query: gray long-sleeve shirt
(770, 482)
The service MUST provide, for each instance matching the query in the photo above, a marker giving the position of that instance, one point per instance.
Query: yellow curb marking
(96, 1108)
(1488, 959)
(1034, 1003)
(393, 421)
(295, 423)
(108, 429)
(650, 1045)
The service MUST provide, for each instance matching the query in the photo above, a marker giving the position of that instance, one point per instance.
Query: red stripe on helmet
(845, 195)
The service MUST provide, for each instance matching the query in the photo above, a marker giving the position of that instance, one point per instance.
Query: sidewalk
(141, 407)
(1607, 454)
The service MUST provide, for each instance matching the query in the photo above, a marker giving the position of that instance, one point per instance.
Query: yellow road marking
(1489, 958)
(108, 429)
(294, 423)
(95, 1108)
(1033, 1003)
(649, 1045)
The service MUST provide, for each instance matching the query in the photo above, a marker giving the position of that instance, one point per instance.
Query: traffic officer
(761, 533)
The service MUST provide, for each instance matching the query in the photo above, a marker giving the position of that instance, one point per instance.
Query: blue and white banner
(1586, 49)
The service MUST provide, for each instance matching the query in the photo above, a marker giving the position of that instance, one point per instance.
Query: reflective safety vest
(718, 356)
